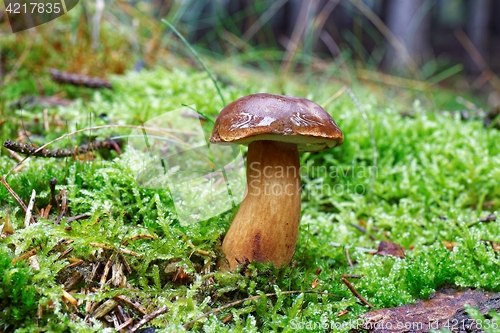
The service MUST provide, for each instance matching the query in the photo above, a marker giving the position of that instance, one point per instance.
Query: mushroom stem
(266, 226)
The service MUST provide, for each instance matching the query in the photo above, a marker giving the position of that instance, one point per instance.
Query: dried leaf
(28, 254)
(386, 248)
(124, 324)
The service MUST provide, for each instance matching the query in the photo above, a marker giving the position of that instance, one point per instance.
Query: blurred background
(412, 83)
(387, 34)
(417, 44)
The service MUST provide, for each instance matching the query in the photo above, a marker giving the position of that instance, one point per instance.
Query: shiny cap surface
(277, 118)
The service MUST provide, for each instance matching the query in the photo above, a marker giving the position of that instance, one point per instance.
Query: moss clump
(18, 296)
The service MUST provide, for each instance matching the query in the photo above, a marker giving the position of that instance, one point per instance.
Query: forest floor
(408, 204)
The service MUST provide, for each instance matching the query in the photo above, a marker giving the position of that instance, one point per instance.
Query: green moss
(434, 175)
(18, 296)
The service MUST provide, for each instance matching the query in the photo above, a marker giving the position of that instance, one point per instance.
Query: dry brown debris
(386, 248)
(445, 308)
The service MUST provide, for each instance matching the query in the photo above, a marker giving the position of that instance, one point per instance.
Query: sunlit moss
(433, 177)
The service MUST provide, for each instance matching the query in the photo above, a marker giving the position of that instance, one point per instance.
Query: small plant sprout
(275, 128)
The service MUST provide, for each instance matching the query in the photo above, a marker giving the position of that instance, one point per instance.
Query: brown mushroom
(275, 128)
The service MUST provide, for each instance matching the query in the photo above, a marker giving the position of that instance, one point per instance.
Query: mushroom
(275, 128)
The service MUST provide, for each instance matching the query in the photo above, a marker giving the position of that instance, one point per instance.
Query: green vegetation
(435, 177)
(17, 293)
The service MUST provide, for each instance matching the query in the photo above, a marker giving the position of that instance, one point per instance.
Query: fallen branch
(78, 79)
(356, 293)
(31, 150)
(162, 131)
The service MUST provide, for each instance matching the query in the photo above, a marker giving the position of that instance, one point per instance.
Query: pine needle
(193, 51)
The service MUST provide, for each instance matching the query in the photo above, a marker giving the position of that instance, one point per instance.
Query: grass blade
(193, 51)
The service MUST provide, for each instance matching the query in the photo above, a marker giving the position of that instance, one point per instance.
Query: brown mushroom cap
(277, 118)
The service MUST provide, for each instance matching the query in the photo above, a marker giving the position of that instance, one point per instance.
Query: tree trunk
(477, 28)
(409, 22)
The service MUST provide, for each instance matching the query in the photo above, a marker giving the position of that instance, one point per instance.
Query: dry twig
(148, 318)
(137, 237)
(126, 323)
(348, 257)
(67, 296)
(28, 254)
(352, 276)
(14, 194)
(356, 293)
(136, 305)
(28, 218)
(78, 217)
(15, 155)
(162, 131)
(78, 79)
(334, 96)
